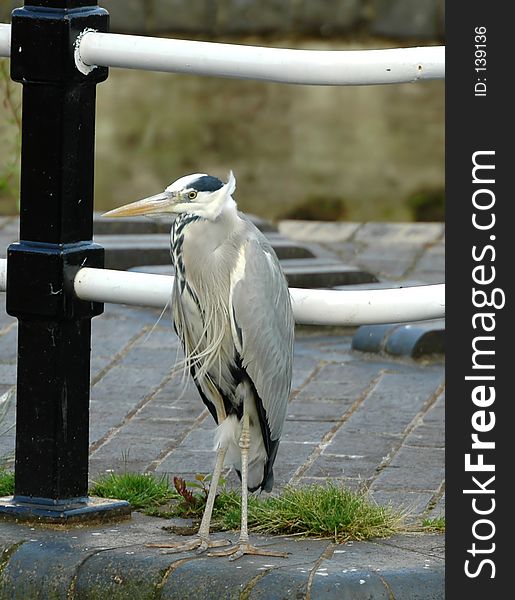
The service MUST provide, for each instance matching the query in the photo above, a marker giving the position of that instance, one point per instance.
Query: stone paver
(431, 265)
(392, 262)
(393, 251)
(317, 231)
(348, 417)
(392, 234)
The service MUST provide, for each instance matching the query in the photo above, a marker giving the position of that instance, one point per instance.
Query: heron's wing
(263, 326)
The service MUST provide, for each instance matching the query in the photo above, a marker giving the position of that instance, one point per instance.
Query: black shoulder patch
(207, 183)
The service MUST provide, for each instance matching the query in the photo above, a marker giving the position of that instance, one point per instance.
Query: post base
(84, 511)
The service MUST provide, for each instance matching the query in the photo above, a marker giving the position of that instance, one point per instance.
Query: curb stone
(113, 562)
(407, 339)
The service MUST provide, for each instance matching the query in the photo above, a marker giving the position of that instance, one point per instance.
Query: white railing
(5, 39)
(310, 67)
(283, 65)
(311, 307)
(3, 274)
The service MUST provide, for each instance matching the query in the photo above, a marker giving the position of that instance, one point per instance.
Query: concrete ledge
(135, 225)
(306, 273)
(126, 251)
(112, 562)
(313, 273)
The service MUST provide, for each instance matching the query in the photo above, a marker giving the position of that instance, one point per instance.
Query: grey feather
(262, 312)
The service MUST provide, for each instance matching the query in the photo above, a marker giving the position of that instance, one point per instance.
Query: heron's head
(199, 194)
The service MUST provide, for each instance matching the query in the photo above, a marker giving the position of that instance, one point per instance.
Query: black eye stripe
(207, 183)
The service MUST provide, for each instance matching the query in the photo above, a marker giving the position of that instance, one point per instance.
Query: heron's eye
(192, 195)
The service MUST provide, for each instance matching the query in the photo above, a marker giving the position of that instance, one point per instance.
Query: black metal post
(56, 229)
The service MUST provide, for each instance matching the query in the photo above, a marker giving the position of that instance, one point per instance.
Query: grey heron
(232, 311)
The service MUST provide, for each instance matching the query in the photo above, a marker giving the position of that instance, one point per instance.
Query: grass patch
(328, 511)
(437, 524)
(140, 490)
(323, 511)
(6, 483)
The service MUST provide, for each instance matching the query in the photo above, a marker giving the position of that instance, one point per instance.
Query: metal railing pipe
(3, 274)
(5, 39)
(368, 307)
(311, 307)
(282, 65)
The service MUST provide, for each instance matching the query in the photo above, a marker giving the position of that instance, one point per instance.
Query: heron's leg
(203, 532)
(201, 541)
(244, 446)
(243, 545)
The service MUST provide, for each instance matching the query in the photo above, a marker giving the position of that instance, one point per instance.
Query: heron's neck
(223, 207)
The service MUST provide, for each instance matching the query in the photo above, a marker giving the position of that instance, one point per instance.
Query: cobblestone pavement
(352, 417)
(408, 252)
(363, 419)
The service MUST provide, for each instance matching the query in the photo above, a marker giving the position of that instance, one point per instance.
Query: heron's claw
(198, 544)
(241, 548)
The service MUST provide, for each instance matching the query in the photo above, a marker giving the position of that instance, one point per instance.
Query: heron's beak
(160, 203)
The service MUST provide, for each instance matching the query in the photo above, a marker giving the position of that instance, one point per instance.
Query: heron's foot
(197, 543)
(241, 548)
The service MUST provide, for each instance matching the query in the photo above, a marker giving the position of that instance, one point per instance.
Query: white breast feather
(237, 274)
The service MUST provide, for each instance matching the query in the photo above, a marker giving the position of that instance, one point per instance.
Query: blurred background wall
(354, 153)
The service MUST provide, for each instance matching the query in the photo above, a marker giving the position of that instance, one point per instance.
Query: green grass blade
(6, 483)
(140, 490)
